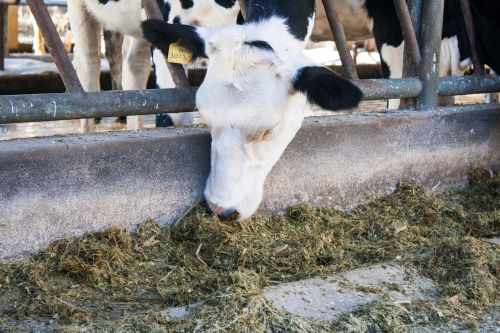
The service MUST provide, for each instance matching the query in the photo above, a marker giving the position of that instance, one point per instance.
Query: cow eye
(260, 44)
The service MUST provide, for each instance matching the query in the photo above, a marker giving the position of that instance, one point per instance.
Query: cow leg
(393, 58)
(164, 80)
(113, 44)
(86, 53)
(136, 70)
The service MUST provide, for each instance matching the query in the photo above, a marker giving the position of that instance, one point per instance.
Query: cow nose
(230, 214)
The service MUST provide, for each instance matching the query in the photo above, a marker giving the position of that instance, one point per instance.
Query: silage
(117, 280)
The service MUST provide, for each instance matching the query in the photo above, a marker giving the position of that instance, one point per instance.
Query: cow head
(253, 98)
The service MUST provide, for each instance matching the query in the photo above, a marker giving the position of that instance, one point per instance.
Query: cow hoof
(164, 120)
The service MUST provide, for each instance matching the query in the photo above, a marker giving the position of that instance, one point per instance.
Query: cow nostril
(222, 213)
(229, 215)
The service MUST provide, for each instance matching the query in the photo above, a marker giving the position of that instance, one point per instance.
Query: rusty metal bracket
(177, 71)
(340, 40)
(55, 46)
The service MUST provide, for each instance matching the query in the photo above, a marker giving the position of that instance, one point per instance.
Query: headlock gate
(420, 86)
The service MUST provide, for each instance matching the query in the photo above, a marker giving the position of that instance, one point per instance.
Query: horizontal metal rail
(47, 107)
(449, 86)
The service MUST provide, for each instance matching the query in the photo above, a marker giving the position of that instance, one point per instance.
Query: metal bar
(340, 40)
(177, 71)
(471, 34)
(410, 69)
(409, 35)
(472, 84)
(3, 15)
(374, 89)
(432, 29)
(55, 46)
(47, 107)
(243, 8)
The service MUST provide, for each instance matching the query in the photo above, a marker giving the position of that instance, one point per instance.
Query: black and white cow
(255, 94)
(125, 16)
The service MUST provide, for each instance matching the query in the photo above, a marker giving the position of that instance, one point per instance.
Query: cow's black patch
(164, 120)
(162, 34)
(326, 89)
(240, 20)
(177, 20)
(486, 15)
(260, 44)
(186, 4)
(164, 8)
(297, 15)
(226, 3)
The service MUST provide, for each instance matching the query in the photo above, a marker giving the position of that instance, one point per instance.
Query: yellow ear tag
(178, 54)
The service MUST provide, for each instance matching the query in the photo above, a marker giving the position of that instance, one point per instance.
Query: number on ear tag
(178, 54)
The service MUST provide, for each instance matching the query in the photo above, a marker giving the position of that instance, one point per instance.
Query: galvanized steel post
(432, 30)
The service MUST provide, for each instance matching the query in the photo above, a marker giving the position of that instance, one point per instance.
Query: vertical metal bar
(411, 43)
(432, 30)
(410, 69)
(471, 34)
(55, 46)
(340, 40)
(243, 8)
(177, 71)
(415, 11)
(3, 11)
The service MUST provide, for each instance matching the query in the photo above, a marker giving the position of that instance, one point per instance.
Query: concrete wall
(66, 186)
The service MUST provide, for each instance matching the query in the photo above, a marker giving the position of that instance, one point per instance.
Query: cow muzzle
(224, 214)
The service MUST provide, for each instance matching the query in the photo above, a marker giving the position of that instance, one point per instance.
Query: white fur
(246, 93)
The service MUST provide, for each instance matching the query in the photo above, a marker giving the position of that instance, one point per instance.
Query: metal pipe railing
(64, 106)
(340, 40)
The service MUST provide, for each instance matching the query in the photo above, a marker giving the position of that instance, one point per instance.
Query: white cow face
(254, 98)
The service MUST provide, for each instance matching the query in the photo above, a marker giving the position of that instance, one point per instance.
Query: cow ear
(326, 89)
(161, 34)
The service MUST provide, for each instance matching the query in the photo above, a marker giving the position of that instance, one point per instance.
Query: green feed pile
(115, 281)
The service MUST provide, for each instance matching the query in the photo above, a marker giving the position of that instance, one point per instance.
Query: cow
(455, 48)
(125, 16)
(255, 94)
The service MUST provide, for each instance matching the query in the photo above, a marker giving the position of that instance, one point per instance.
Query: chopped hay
(117, 281)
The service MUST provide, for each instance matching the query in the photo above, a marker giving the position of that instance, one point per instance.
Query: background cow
(125, 16)
(255, 93)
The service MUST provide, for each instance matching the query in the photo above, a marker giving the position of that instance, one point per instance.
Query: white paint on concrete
(328, 298)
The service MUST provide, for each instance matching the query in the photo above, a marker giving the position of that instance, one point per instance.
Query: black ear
(326, 89)
(161, 34)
